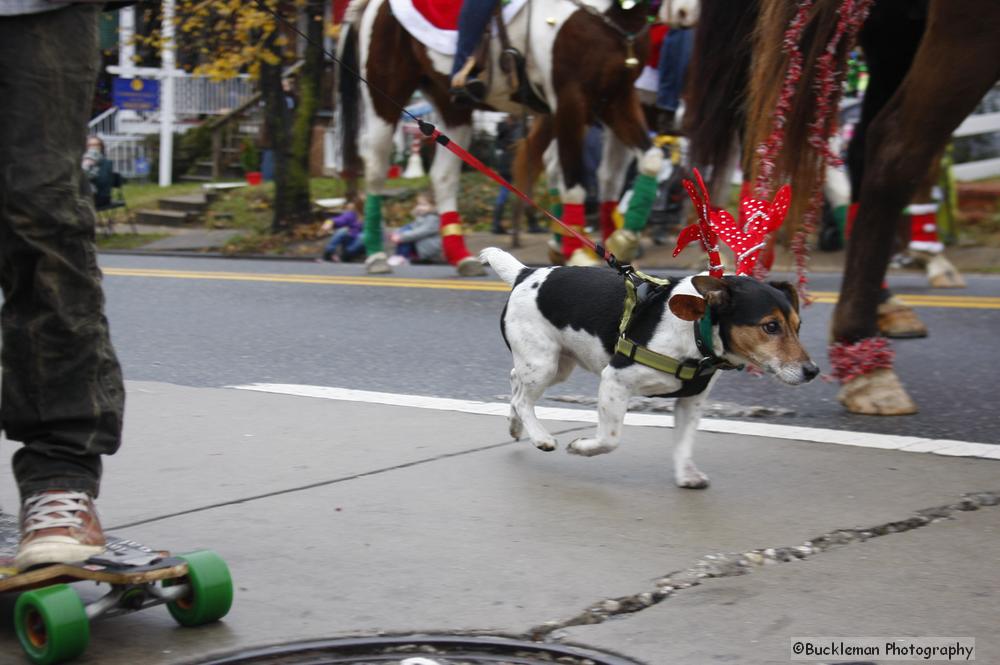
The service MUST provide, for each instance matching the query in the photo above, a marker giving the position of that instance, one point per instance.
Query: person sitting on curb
(346, 243)
(420, 240)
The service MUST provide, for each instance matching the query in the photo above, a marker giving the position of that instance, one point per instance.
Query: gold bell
(630, 60)
(551, 20)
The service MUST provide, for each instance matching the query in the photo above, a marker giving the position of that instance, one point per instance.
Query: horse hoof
(899, 321)
(556, 257)
(470, 267)
(878, 393)
(942, 274)
(377, 264)
(624, 244)
(583, 257)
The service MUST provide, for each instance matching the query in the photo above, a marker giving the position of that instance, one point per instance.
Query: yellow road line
(460, 284)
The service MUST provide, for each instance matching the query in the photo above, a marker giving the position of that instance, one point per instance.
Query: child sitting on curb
(346, 243)
(420, 240)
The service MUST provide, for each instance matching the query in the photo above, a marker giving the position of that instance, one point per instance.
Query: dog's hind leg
(513, 420)
(612, 403)
(566, 365)
(687, 414)
(533, 378)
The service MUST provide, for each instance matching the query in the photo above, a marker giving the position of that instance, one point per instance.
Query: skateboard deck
(122, 562)
(52, 622)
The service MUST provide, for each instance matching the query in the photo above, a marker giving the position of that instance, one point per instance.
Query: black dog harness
(694, 375)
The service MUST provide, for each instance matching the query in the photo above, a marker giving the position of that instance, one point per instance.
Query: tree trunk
(278, 118)
(291, 129)
(309, 90)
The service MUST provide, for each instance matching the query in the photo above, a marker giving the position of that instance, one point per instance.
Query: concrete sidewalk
(343, 518)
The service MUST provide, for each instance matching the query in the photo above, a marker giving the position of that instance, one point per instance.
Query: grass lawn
(249, 209)
(126, 240)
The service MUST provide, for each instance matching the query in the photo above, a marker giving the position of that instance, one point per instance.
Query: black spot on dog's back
(523, 275)
(587, 299)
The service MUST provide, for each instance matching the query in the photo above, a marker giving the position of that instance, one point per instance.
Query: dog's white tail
(503, 263)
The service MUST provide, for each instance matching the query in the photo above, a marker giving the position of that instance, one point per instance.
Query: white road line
(911, 444)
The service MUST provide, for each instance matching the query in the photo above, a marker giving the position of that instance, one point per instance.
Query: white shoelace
(53, 510)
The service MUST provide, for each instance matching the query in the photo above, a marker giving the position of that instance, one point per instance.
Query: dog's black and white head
(758, 323)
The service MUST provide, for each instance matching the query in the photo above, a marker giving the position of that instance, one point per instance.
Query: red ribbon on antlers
(702, 229)
(758, 219)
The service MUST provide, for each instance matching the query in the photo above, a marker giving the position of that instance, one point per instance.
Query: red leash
(432, 132)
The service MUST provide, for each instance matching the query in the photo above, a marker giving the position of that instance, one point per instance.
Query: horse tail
(719, 71)
(790, 145)
(503, 263)
(349, 96)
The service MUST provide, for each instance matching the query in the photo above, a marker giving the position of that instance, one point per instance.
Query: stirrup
(473, 92)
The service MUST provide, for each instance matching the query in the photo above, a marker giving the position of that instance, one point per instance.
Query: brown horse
(955, 61)
(577, 53)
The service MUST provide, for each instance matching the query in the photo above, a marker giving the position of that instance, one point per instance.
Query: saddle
(513, 65)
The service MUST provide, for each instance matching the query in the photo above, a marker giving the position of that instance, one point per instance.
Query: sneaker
(58, 526)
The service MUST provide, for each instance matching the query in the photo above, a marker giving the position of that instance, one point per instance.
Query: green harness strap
(687, 370)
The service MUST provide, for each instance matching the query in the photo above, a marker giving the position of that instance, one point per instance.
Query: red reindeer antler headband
(758, 218)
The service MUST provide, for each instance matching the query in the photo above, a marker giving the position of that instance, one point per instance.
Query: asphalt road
(262, 323)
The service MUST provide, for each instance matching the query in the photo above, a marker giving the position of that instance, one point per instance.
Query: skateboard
(52, 622)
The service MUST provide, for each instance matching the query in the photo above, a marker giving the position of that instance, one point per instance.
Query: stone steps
(163, 217)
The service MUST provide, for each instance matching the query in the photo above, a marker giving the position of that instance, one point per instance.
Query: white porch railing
(105, 123)
(126, 152)
(199, 95)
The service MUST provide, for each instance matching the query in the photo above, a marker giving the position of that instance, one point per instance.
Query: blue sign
(136, 94)
(141, 166)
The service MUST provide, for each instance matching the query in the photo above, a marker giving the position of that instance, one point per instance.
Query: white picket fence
(984, 123)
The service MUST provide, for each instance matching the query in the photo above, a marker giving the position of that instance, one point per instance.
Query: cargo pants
(61, 394)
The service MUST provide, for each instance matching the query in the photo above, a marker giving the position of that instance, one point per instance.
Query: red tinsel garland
(827, 88)
(850, 361)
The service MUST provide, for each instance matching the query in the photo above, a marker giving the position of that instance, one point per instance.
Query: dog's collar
(693, 374)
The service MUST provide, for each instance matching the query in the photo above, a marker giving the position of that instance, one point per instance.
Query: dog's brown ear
(790, 292)
(688, 307)
(714, 290)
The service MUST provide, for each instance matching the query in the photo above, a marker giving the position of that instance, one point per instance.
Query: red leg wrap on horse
(923, 228)
(452, 240)
(607, 220)
(852, 214)
(572, 216)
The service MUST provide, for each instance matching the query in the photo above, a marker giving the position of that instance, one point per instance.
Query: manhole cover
(420, 650)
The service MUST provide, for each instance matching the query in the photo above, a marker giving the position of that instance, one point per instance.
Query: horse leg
(376, 146)
(920, 235)
(554, 183)
(570, 126)
(445, 172)
(615, 156)
(890, 39)
(529, 161)
(957, 62)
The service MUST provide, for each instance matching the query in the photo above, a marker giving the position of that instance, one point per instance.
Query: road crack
(732, 564)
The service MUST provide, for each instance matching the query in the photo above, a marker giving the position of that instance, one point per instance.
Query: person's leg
(337, 240)
(62, 392)
(472, 22)
(498, 206)
(675, 54)
(354, 247)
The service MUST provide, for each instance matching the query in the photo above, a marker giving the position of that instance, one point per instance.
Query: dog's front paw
(589, 447)
(692, 479)
(548, 445)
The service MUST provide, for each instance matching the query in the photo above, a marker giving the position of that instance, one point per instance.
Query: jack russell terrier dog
(561, 317)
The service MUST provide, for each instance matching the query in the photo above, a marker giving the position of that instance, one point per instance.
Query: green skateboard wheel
(51, 624)
(211, 593)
